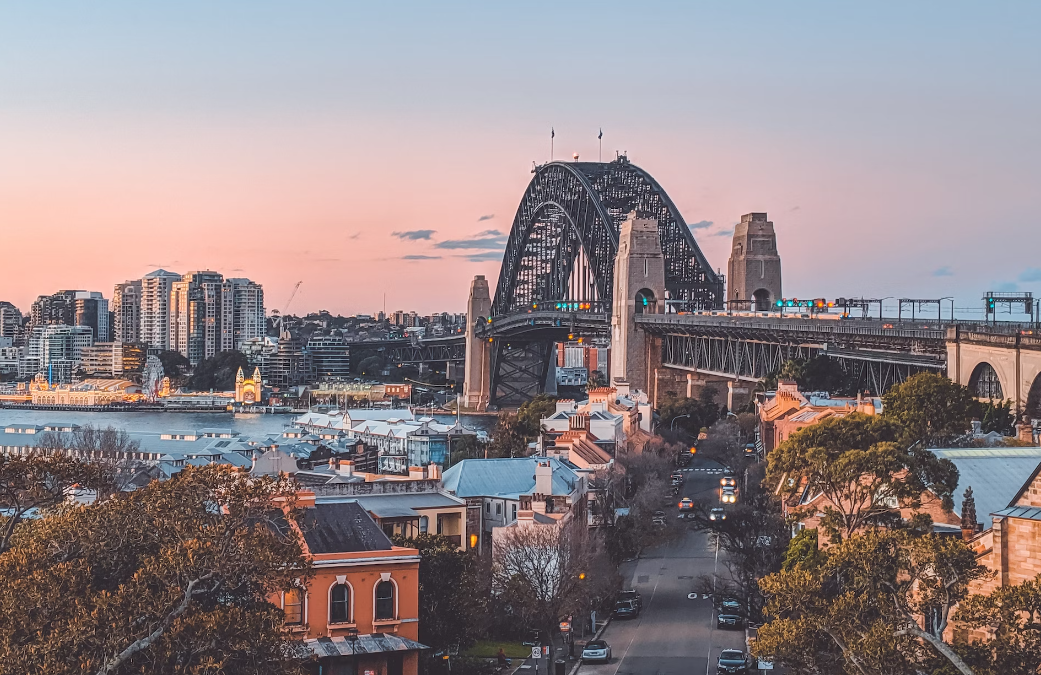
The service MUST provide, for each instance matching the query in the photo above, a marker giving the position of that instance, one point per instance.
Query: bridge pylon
(477, 380)
(639, 288)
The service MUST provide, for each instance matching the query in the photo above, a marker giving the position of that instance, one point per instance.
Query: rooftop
(994, 474)
(341, 527)
(506, 477)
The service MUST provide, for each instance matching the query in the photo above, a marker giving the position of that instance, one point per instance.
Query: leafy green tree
(596, 379)
(174, 578)
(859, 611)
(531, 414)
(1013, 615)
(466, 447)
(452, 593)
(803, 551)
(174, 363)
(859, 464)
(689, 414)
(508, 438)
(218, 372)
(931, 408)
(997, 416)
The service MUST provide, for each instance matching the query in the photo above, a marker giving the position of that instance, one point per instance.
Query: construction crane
(278, 316)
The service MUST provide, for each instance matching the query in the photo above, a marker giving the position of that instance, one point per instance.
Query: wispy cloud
(326, 260)
(944, 271)
(420, 257)
(794, 208)
(483, 257)
(1030, 274)
(413, 235)
(700, 225)
(487, 217)
(723, 233)
(489, 239)
(356, 235)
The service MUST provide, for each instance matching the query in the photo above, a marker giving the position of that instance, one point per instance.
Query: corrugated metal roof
(1025, 512)
(341, 528)
(994, 474)
(505, 477)
(372, 643)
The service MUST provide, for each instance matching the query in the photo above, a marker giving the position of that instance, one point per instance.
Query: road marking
(640, 620)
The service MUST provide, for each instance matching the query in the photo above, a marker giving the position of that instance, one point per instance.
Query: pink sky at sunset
(887, 168)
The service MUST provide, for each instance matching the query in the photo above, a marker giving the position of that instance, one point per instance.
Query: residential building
(578, 446)
(10, 321)
(196, 310)
(787, 410)
(360, 610)
(499, 492)
(59, 308)
(600, 421)
(242, 313)
(330, 357)
(156, 288)
(289, 366)
(9, 358)
(114, 359)
(92, 311)
(405, 443)
(57, 350)
(126, 311)
(576, 360)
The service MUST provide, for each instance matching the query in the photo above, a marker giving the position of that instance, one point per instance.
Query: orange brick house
(788, 410)
(359, 614)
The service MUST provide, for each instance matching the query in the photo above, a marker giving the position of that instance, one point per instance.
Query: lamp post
(352, 635)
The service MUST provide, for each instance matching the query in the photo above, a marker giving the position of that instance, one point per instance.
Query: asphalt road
(672, 635)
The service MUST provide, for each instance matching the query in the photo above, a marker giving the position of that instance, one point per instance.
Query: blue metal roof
(994, 474)
(506, 477)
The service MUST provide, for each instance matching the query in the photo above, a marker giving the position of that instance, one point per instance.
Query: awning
(371, 643)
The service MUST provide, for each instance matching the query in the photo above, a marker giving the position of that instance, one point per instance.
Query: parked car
(658, 518)
(626, 609)
(686, 504)
(724, 620)
(596, 650)
(633, 596)
(732, 661)
(717, 513)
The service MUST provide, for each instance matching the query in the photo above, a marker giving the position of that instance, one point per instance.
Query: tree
(466, 446)
(452, 595)
(40, 481)
(689, 414)
(172, 578)
(546, 572)
(997, 416)
(859, 611)
(820, 373)
(508, 439)
(931, 408)
(1012, 614)
(110, 450)
(531, 414)
(861, 469)
(803, 551)
(596, 380)
(218, 372)
(174, 363)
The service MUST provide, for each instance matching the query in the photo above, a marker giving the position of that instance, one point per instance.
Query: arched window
(385, 601)
(645, 301)
(340, 604)
(293, 606)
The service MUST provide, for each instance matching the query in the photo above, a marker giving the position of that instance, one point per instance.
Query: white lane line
(708, 657)
(651, 601)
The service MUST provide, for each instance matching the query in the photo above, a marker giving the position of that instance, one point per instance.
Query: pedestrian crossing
(702, 470)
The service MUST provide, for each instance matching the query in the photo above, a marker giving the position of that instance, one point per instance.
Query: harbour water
(155, 422)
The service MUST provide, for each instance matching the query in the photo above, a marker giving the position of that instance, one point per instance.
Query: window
(424, 524)
(515, 512)
(340, 604)
(440, 525)
(498, 509)
(488, 507)
(385, 601)
(293, 606)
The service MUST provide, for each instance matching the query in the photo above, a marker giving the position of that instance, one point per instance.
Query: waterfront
(155, 422)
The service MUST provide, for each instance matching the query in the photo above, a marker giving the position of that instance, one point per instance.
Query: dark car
(626, 609)
(732, 661)
(725, 619)
(632, 595)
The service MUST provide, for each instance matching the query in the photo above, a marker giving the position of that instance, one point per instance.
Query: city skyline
(363, 151)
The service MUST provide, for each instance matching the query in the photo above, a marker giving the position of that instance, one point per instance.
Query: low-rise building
(89, 392)
(360, 611)
(785, 411)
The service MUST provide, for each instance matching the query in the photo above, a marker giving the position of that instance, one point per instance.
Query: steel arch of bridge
(572, 212)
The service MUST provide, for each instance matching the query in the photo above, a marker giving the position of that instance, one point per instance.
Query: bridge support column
(639, 287)
(477, 376)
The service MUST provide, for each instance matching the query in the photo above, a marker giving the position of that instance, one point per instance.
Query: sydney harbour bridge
(598, 249)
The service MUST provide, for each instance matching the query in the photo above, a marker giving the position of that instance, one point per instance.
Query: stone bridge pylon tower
(477, 382)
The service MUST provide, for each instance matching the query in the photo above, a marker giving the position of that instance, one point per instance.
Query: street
(672, 634)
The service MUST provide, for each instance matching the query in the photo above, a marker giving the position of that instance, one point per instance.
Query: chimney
(434, 471)
(333, 464)
(416, 473)
(579, 422)
(1025, 431)
(305, 499)
(346, 468)
(977, 427)
(968, 515)
(544, 478)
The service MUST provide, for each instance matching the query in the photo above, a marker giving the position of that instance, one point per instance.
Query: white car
(596, 650)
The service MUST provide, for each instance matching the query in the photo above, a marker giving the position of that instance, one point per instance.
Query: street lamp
(352, 635)
(672, 427)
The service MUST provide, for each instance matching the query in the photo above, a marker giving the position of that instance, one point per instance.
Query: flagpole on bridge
(600, 154)
(552, 134)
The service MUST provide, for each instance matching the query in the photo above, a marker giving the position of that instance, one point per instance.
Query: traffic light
(991, 305)
(780, 303)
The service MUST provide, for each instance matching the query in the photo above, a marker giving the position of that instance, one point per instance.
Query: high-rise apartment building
(57, 309)
(126, 311)
(330, 357)
(92, 311)
(154, 326)
(114, 359)
(196, 312)
(10, 321)
(57, 350)
(242, 314)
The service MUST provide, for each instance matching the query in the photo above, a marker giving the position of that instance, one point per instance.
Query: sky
(381, 149)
